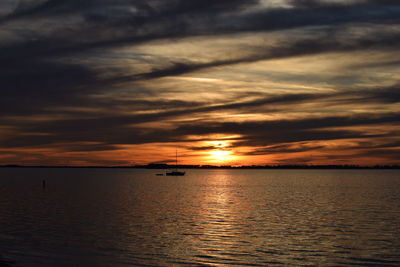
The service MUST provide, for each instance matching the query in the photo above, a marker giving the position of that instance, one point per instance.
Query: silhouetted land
(166, 166)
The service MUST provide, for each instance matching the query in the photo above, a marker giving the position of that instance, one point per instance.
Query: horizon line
(207, 166)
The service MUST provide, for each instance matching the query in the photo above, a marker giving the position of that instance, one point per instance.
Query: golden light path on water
(215, 217)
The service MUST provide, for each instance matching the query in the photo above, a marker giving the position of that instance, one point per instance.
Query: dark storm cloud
(41, 73)
(175, 19)
(153, 8)
(121, 129)
(154, 20)
(284, 148)
(317, 16)
(303, 160)
(279, 103)
(387, 144)
(283, 131)
(27, 88)
(43, 82)
(204, 148)
(389, 150)
(80, 147)
(36, 71)
(175, 108)
(322, 44)
(318, 3)
(391, 154)
(384, 95)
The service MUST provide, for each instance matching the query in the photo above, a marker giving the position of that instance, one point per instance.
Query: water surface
(125, 217)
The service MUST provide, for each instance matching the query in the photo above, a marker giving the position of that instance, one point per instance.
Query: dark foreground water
(130, 217)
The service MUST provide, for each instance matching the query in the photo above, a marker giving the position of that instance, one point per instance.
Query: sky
(222, 82)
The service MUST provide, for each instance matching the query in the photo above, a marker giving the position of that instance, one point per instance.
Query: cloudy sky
(101, 82)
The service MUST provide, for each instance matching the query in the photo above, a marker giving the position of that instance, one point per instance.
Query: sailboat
(175, 172)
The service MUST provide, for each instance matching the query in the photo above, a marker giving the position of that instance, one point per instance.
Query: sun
(220, 151)
(221, 155)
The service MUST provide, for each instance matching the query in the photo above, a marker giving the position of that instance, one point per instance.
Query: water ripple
(208, 218)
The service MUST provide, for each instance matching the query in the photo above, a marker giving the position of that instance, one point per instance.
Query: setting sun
(221, 155)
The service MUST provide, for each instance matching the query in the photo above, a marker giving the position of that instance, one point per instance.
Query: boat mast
(176, 159)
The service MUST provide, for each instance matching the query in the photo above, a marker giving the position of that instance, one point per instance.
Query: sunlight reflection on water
(122, 217)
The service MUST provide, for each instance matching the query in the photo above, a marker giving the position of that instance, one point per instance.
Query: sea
(214, 217)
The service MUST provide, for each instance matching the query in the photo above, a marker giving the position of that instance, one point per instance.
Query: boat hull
(175, 173)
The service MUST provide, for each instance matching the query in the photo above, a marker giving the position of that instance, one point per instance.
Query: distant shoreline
(166, 166)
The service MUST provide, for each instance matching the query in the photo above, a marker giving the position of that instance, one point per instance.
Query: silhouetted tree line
(167, 166)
